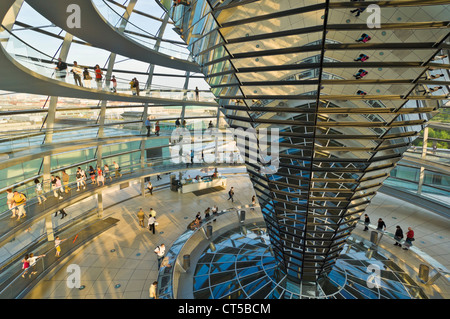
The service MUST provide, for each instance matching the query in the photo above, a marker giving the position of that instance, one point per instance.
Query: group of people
(178, 123)
(30, 260)
(151, 222)
(134, 86)
(16, 202)
(398, 235)
(97, 175)
(196, 223)
(81, 73)
(148, 125)
(82, 76)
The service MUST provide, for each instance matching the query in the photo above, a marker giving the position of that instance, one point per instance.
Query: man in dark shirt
(381, 225)
(398, 236)
(61, 68)
(366, 222)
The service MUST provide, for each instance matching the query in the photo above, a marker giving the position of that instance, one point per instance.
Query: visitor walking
(100, 177)
(366, 222)
(116, 170)
(141, 217)
(197, 95)
(106, 172)
(381, 225)
(364, 38)
(231, 194)
(62, 212)
(58, 246)
(92, 175)
(10, 201)
(114, 82)
(160, 251)
(25, 265)
(358, 11)
(84, 177)
(59, 186)
(98, 77)
(32, 260)
(157, 128)
(65, 181)
(398, 236)
(77, 73)
(39, 192)
(79, 178)
(19, 201)
(150, 187)
(362, 57)
(360, 74)
(152, 212)
(151, 223)
(148, 125)
(136, 86)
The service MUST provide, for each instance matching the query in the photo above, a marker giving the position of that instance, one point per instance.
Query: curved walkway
(23, 80)
(98, 32)
(9, 226)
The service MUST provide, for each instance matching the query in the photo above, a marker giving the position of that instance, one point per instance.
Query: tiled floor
(121, 263)
(133, 264)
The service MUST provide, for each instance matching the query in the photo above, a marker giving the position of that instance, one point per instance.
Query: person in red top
(157, 128)
(409, 238)
(98, 76)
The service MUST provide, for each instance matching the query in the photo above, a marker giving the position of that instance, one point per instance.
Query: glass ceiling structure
(42, 112)
(347, 98)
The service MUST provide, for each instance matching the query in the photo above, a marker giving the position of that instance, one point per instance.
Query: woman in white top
(106, 172)
(41, 198)
(100, 177)
(9, 198)
(57, 245)
(58, 187)
(32, 261)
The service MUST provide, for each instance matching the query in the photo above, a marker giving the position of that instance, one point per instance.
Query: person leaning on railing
(409, 238)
